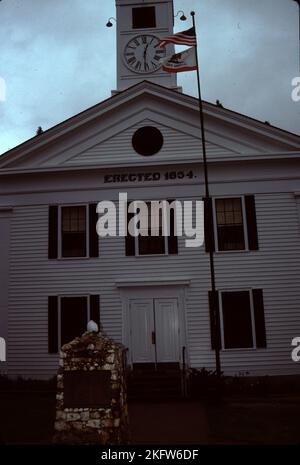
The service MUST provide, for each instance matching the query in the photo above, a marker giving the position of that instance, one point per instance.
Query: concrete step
(154, 385)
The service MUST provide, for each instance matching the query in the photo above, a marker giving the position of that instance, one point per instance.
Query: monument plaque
(87, 389)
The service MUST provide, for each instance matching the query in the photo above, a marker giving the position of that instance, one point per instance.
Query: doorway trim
(156, 289)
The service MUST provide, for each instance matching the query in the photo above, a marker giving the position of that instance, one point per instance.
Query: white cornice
(272, 157)
(152, 282)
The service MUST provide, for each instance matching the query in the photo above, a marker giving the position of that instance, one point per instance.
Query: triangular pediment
(102, 135)
(118, 149)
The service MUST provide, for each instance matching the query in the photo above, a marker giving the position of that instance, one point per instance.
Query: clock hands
(145, 51)
(145, 58)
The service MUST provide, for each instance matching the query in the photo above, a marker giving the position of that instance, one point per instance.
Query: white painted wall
(275, 268)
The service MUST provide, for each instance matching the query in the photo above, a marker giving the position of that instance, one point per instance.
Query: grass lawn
(255, 421)
(28, 418)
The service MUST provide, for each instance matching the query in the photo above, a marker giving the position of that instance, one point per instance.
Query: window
(147, 141)
(73, 318)
(68, 317)
(237, 320)
(143, 17)
(242, 320)
(230, 225)
(72, 231)
(157, 243)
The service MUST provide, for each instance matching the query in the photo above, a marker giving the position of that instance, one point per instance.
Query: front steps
(155, 383)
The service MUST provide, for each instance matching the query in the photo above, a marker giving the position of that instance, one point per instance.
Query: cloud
(58, 58)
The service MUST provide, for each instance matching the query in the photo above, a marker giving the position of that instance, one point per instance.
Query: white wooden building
(56, 273)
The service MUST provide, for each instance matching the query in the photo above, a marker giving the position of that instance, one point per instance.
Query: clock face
(142, 54)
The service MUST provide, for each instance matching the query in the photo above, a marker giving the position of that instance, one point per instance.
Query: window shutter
(251, 222)
(213, 298)
(172, 239)
(209, 225)
(129, 240)
(93, 236)
(53, 232)
(259, 316)
(52, 324)
(95, 309)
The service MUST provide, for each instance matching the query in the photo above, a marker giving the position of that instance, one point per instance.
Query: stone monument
(91, 402)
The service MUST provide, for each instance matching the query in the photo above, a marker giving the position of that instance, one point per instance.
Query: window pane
(237, 320)
(73, 318)
(231, 238)
(151, 245)
(230, 224)
(155, 243)
(73, 219)
(73, 231)
(143, 17)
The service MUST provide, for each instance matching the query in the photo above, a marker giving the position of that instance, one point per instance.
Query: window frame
(254, 344)
(87, 232)
(59, 311)
(245, 226)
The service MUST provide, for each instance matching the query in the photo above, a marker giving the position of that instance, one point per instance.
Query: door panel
(142, 326)
(167, 330)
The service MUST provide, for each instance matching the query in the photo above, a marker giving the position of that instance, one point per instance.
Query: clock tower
(140, 25)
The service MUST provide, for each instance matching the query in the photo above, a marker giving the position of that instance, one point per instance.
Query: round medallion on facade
(147, 141)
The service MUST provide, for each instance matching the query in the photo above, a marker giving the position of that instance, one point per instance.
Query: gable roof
(83, 137)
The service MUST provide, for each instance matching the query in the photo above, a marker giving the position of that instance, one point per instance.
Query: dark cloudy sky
(58, 58)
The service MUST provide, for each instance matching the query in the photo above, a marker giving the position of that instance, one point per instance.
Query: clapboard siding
(275, 268)
(118, 149)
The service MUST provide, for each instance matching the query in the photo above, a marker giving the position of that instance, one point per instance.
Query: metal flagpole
(207, 199)
(298, 1)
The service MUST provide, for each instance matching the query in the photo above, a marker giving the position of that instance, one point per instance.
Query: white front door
(155, 330)
(167, 330)
(141, 331)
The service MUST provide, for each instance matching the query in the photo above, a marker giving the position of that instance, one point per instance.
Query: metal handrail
(183, 371)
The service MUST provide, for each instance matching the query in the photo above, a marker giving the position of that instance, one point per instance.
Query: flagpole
(207, 199)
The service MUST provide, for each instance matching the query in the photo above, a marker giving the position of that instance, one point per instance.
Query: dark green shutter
(213, 298)
(52, 324)
(93, 236)
(259, 316)
(172, 239)
(129, 240)
(209, 225)
(53, 232)
(95, 309)
(251, 222)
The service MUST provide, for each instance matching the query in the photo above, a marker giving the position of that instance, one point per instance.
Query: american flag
(181, 38)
